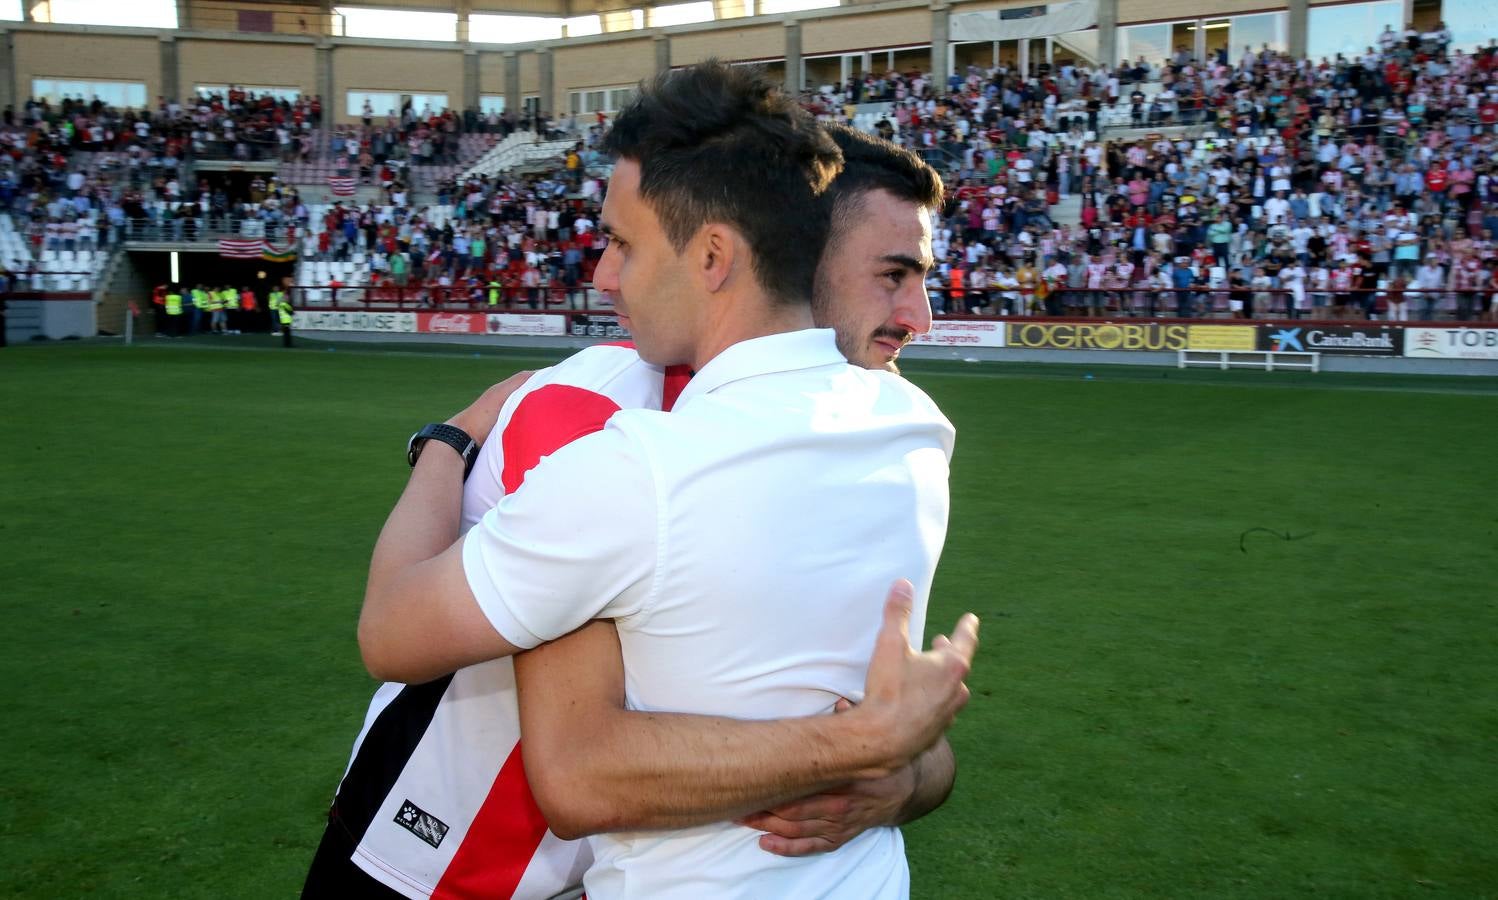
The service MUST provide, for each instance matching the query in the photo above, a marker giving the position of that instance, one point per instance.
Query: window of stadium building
(1256, 31)
(290, 95)
(776, 7)
(1351, 28)
(514, 29)
(679, 14)
(401, 24)
(389, 103)
(1472, 24)
(141, 14)
(10, 9)
(492, 103)
(604, 100)
(1152, 43)
(119, 94)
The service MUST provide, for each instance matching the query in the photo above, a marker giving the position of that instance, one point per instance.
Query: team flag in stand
(342, 185)
(282, 254)
(241, 248)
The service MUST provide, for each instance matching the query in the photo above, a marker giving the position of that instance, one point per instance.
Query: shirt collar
(784, 352)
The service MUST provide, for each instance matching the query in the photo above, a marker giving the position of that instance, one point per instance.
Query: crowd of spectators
(84, 175)
(1344, 187)
(1353, 187)
(529, 242)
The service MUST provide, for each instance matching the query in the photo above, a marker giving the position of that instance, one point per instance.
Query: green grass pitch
(184, 533)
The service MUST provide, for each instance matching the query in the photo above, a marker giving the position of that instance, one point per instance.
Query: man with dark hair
(870, 283)
(706, 301)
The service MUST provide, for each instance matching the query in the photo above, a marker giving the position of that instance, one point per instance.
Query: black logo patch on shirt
(422, 824)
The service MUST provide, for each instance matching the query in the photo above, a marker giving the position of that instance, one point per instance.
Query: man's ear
(719, 248)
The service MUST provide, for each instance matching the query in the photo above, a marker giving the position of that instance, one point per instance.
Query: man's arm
(594, 767)
(824, 822)
(420, 619)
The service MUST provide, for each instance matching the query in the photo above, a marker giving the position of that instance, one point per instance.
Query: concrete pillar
(331, 103)
(169, 87)
(184, 15)
(470, 78)
(845, 70)
(794, 81)
(1107, 33)
(1297, 27)
(463, 9)
(548, 87)
(662, 53)
(1024, 57)
(941, 43)
(512, 82)
(8, 88)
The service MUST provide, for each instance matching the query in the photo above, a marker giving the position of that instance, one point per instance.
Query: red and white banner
(342, 185)
(450, 323)
(963, 333)
(241, 248)
(490, 323)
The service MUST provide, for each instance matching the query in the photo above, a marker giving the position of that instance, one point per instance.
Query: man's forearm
(657, 770)
(595, 766)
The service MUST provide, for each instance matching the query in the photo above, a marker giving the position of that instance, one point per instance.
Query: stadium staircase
(521, 151)
(311, 178)
(118, 284)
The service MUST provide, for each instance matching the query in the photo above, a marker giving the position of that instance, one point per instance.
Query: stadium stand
(1253, 184)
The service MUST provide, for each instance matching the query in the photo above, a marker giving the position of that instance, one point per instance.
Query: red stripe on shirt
(501, 842)
(547, 419)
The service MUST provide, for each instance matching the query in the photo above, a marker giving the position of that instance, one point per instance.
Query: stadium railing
(1196, 302)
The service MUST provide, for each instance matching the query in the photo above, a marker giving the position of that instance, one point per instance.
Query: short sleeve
(576, 541)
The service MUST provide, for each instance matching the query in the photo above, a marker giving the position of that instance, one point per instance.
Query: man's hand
(482, 414)
(824, 822)
(911, 698)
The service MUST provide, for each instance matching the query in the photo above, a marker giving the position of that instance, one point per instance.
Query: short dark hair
(721, 143)
(873, 164)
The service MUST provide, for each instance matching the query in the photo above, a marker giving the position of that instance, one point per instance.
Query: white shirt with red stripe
(435, 782)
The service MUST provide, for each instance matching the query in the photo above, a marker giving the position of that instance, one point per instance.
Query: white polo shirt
(743, 544)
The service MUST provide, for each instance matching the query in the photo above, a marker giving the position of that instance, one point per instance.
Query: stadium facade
(298, 50)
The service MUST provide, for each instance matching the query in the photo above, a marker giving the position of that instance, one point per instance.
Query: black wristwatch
(452, 436)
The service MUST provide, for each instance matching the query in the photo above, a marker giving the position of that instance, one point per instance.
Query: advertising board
(1371, 339)
(1451, 343)
(963, 333)
(319, 320)
(597, 326)
(1102, 336)
(1221, 337)
(524, 323)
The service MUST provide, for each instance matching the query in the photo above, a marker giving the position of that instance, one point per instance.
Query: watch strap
(451, 435)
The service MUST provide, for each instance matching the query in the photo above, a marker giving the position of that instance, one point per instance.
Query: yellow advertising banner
(1103, 336)
(1221, 337)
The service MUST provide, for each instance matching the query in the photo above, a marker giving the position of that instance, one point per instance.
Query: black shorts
(333, 874)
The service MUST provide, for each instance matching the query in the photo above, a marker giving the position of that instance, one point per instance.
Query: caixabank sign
(1340, 340)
